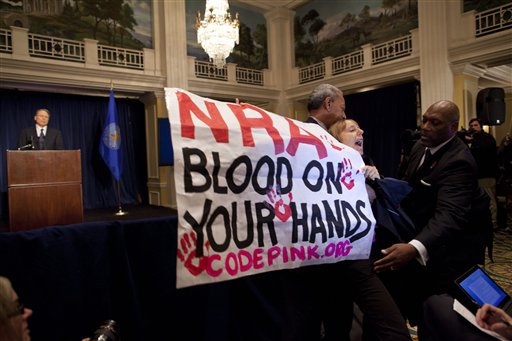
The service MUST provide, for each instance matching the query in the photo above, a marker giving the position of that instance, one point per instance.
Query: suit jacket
(311, 120)
(450, 212)
(52, 139)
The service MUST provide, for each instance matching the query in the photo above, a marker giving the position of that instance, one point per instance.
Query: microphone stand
(25, 147)
(120, 211)
(28, 145)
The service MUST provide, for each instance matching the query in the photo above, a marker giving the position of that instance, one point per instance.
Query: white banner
(258, 192)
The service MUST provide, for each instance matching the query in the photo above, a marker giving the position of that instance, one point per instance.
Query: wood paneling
(45, 188)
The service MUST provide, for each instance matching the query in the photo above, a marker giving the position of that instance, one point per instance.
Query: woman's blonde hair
(7, 308)
(337, 128)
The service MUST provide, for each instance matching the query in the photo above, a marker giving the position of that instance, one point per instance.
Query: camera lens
(106, 332)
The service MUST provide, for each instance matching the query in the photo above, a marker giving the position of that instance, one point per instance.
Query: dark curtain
(74, 277)
(80, 119)
(384, 114)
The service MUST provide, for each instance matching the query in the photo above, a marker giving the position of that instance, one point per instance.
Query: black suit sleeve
(53, 140)
(59, 144)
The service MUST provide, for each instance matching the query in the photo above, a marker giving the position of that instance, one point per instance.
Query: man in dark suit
(449, 210)
(40, 136)
(484, 150)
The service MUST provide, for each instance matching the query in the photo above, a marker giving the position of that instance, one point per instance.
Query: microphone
(27, 146)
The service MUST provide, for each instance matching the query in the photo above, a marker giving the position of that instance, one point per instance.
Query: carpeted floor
(501, 269)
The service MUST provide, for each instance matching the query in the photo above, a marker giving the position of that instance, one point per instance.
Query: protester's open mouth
(359, 143)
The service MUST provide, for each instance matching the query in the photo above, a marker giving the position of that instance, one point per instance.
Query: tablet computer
(478, 288)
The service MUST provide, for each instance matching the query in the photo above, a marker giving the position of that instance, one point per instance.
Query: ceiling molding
(468, 69)
(268, 5)
(30, 75)
(501, 73)
(491, 51)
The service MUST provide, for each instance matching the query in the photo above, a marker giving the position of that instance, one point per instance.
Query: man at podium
(40, 136)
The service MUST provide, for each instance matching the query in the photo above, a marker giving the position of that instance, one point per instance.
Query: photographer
(483, 148)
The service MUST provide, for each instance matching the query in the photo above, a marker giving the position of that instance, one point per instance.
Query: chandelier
(218, 32)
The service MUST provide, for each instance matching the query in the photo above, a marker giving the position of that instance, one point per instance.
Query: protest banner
(258, 192)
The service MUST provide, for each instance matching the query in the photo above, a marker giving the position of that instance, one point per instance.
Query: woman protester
(382, 318)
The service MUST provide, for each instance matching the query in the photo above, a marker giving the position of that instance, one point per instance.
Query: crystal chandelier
(218, 32)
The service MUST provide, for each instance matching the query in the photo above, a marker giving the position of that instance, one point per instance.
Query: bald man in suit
(40, 136)
(449, 210)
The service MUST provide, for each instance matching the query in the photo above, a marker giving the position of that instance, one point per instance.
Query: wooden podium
(44, 188)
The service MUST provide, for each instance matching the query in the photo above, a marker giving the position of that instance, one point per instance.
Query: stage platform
(134, 212)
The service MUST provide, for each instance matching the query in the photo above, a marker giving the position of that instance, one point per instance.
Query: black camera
(108, 331)
(462, 133)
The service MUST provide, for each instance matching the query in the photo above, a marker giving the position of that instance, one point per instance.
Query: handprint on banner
(282, 211)
(329, 139)
(346, 173)
(187, 253)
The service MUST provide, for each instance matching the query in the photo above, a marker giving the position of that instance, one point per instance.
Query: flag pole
(120, 208)
(120, 211)
(108, 152)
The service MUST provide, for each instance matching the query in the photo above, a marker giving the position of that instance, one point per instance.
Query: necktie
(41, 139)
(427, 161)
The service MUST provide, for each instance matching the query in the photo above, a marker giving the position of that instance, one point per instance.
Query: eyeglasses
(20, 309)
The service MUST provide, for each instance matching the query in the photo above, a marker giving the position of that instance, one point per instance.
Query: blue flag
(110, 144)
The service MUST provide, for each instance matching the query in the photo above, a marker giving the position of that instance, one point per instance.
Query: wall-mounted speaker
(490, 106)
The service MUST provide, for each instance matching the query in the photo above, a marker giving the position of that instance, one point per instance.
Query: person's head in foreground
(13, 315)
